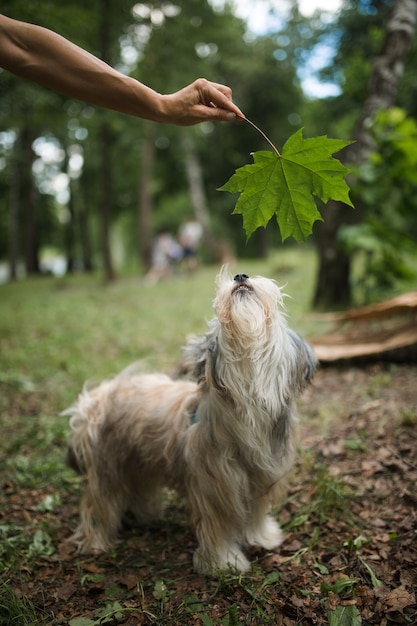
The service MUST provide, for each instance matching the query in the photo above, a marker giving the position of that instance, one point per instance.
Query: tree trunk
(70, 225)
(196, 183)
(84, 230)
(333, 280)
(85, 202)
(106, 152)
(145, 203)
(69, 237)
(333, 284)
(14, 193)
(28, 203)
(216, 249)
(107, 199)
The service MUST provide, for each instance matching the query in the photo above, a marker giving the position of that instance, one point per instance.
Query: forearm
(50, 60)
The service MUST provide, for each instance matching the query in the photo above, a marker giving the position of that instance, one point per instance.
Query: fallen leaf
(66, 591)
(398, 599)
(130, 581)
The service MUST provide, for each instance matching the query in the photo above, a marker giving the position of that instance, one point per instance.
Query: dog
(223, 437)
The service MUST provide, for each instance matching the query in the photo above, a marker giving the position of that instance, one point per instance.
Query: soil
(350, 518)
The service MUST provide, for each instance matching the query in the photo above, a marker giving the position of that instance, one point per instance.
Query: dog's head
(249, 334)
(247, 315)
(246, 307)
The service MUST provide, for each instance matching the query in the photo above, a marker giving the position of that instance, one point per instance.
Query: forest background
(95, 186)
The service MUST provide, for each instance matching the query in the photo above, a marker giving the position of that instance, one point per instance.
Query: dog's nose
(241, 278)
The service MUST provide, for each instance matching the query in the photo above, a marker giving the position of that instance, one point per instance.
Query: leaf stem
(263, 135)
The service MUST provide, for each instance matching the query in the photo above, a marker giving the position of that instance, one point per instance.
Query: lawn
(349, 516)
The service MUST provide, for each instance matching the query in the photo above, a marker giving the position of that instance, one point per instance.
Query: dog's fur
(224, 439)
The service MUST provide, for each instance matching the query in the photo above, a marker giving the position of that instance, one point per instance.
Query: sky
(255, 12)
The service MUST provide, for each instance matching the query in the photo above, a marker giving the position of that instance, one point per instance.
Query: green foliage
(41, 544)
(330, 498)
(255, 591)
(355, 546)
(341, 585)
(385, 189)
(109, 614)
(384, 257)
(286, 184)
(344, 616)
(356, 34)
(160, 591)
(15, 609)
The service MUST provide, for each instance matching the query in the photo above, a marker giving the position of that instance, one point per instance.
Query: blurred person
(189, 237)
(44, 57)
(166, 253)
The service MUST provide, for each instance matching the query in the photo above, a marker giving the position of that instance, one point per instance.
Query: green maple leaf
(285, 184)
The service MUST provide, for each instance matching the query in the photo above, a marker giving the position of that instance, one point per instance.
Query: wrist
(146, 102)
(166, 110)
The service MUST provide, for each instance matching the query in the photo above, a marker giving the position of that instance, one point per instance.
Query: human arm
(42, 56)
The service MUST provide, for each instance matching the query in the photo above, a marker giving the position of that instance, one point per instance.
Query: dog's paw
(268, 535)
(225, 559)
(89, 543)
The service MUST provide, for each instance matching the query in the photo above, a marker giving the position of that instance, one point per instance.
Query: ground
(350, 521)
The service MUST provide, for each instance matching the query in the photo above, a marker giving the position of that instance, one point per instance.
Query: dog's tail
(86, 415)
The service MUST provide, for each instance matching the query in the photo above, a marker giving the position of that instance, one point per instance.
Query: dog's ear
(211, 375)
(199, 360)
(195, 356)
(306, 362)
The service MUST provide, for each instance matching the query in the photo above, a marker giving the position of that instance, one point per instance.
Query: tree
(333, 282)
(145, 196)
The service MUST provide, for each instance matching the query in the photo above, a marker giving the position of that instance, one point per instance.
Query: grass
(14, 609)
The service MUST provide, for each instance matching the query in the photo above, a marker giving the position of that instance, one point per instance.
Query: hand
(201, 101)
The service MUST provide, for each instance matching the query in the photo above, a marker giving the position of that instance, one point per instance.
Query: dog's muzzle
(242, 284)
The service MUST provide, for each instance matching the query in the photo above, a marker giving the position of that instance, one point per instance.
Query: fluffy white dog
(224, 440)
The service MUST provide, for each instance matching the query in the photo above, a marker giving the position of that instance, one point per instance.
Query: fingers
(220, 96)
(226, 91)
